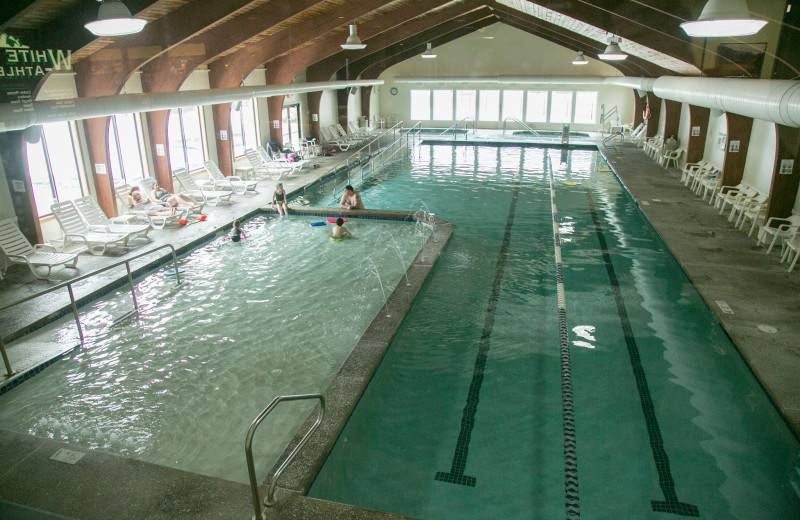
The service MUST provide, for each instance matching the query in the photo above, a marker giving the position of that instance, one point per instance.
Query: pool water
(274, 314)
(465, 418)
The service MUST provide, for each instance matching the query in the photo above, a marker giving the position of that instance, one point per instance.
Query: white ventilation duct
(777, 101)
(12, 118)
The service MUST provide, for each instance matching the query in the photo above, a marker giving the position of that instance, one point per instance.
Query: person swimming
(237, 233)
(339, 232)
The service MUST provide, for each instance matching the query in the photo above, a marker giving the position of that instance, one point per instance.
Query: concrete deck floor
(752, 294)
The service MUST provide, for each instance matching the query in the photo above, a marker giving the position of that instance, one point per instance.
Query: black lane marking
(456, 473)
(571, 495)
(671, 503)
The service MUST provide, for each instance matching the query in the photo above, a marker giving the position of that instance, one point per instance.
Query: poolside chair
(671, 156)
(78, 232)
(754, 210)
(146, 188)
(778, 229)
(688, 167)
(331, 139)
(17, 250)
(191, 188)
(791, 248)
(261, 169)
(276, 159)
(731, 194)
(96, 218)
(219, 181)
(141, 213)
(695, 174)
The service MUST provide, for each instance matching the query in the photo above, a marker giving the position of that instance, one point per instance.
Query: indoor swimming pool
(274, 314)
(465, 417)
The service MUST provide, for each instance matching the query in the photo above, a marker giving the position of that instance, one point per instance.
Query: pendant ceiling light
(353, 42)
(579, 59)
(428, 53)
(722, 18)
(613, 52)
(114, 19)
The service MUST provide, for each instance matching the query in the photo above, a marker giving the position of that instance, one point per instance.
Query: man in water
(351, 199)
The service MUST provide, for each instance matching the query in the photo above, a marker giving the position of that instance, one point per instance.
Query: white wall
(684, 130)
(760, 156)
(717, 124)
(500, 50)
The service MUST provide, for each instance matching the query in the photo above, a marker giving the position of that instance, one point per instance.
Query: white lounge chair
(77, 230)
(18, 250)
(219, 181)
(142, 213)
(191, 188)
(274, 159)
(263, 170)
(778, 229)
(332, 140)
(146, 188)
(94, 216)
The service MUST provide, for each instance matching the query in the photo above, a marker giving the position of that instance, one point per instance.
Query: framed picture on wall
(735, 60)
(721, 140)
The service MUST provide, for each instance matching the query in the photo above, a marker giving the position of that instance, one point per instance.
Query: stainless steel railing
(69, 283)
(454, 127)
(525, 126)
(269, 501)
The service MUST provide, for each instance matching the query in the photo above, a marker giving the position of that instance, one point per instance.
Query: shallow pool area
(179, 385)
(465, 416)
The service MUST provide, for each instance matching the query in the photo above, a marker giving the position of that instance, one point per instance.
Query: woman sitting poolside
(159, 194)
(136, 201)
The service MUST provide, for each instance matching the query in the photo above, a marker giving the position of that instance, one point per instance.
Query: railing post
(9, 371)
(75, 312)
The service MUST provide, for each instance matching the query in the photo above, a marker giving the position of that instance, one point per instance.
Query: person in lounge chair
(159, 194)
(135, 200)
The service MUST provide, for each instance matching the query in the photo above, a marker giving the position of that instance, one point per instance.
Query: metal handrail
(454, 126)
(358, 156)
(604, 116)
(248, 448)
(528, 128)
(68, 285)
(372, 159)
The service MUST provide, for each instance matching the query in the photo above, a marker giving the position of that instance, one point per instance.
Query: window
(512, 104)
(586, 107)
(489, 107)
(53, 167)
(243, 126)
(125, 149)
(186, 142)
(537, 107)
(421, 105)
(443, 105)
(290, 125)
(561, 107)
(465, 104)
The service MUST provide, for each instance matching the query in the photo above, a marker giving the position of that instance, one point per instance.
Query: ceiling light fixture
(428, 53)
(114, 19)
(613, 52)
(721, 18)
(353, 42)
(579, 59)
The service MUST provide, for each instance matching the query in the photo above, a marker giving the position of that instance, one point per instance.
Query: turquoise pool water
(275, 314)
(465, 418)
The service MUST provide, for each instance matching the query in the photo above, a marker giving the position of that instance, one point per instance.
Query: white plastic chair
(17, 250)
(791, 250)
(671, 156)
(77, 230)
(218, 181)
(778, 229)
(191, 188)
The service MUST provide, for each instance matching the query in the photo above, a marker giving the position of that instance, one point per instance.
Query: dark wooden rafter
(325, 69)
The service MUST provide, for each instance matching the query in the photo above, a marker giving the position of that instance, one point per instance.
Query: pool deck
(754, 297)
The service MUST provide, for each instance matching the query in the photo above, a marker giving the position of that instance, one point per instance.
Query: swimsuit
(278, 197)
(236, 235)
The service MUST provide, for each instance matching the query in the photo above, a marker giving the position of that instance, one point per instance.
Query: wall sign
(100, 169)
(276, 123)
(18, 185)
(733, 147)
(695, 131)
(721, 138)
(223, 135)
(787, 166)
(159, 149)
(315, 117)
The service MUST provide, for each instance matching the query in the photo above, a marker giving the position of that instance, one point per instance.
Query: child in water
(339, 232)
(237, 233)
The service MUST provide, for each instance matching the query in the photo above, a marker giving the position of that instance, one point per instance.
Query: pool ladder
(270, 501)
